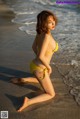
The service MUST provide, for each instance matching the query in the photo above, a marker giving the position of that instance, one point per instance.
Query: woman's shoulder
(43, 34)
(43, 37)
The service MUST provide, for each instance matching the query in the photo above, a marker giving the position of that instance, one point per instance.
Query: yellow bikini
(52, 51)
(34, 67)
(56, 48)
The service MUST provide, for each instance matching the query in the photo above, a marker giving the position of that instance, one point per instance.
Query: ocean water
(66, 33)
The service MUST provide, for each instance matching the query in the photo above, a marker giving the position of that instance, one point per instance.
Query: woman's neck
(49, 32)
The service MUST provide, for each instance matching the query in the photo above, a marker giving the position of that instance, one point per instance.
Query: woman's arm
(41, 56)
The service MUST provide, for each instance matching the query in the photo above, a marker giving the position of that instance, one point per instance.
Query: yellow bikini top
(52, 51)
(56, 49)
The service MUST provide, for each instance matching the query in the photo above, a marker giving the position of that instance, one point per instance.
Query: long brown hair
(42, 19)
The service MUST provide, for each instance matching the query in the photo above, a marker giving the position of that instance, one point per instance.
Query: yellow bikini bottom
(34, 67)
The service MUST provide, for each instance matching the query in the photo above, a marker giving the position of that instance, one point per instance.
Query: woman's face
(50, 23)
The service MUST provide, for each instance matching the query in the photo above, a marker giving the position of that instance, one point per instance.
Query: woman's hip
(39, 63)
(35, 66)
(37, 69)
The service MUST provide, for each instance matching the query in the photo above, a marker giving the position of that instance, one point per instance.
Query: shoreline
(15, 55)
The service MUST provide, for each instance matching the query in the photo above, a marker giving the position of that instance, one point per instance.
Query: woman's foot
(25, 104)
(17, 80)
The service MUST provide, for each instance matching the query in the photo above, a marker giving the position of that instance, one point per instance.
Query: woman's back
(50, 48)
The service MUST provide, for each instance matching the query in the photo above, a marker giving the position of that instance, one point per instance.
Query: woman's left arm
(34, 46)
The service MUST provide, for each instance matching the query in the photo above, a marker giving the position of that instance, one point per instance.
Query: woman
(43, 46)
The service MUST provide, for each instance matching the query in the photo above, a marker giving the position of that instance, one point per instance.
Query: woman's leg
(30, 79)
(49, 92)
(24, 80)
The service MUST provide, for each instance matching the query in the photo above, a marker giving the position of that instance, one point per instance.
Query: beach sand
(15, 56)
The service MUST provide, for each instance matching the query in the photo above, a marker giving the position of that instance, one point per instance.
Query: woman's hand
(49, 70)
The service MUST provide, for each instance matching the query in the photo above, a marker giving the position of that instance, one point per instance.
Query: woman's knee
(52, 94)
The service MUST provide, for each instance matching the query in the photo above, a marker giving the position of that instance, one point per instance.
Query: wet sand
(15, 56)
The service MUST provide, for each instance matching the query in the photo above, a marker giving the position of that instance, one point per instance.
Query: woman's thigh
(45, 82)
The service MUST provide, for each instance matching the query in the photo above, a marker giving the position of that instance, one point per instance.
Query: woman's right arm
(44, 47)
